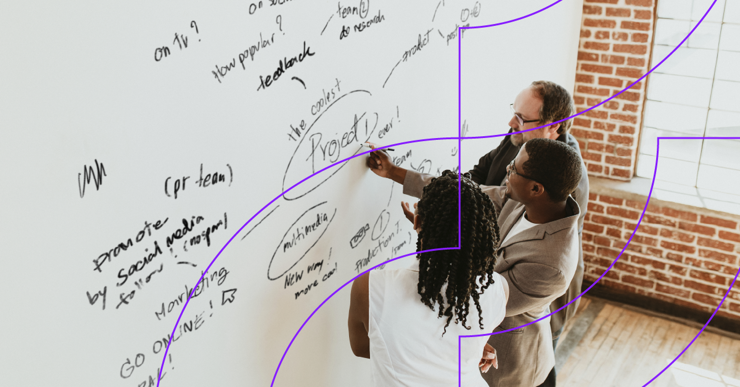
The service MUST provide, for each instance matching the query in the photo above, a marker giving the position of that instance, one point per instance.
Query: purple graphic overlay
(459, 138)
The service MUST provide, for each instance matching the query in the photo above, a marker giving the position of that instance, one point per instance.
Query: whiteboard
(139, 137)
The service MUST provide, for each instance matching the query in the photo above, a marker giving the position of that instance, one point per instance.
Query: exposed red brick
(611, 105)
(593, 227)
(637, 49)
(595, 207)
(674, 257)
(628, 107)
(639, 62)
(729, 236)
(647, 229)
(619, 36)
(614, 82)
(711, 265)
(591, 156)
(629, 72)
(592, 10)
(678, 247)
(713, 301)
(709, 289)
(608, 253)
(587, 236)
(620, 12)
(696, 228)
(626, 129)
(622, 161)
(596, 46)
(600, 114)
(654, 252)
(627, 140)
(718, 222)
(644, 15)
(623, 173)
(613, 59)
(660, 276)
(637, 281)
(598, 261)
(578, 100)
(641, 3)
(623, 213)
(639, 37)
(597, 69)
(629, 96)
(588, 134)
(588, 56)
(621, 266)
(624, 117)
(613, 232)
(584, 78)
(593, 101)
(647, 262)
(671, 290)
(611, 200)
(609, 127)
(680, 270)
(685, 215)
(645, 240)
(715, 244)
(594, 168)
(605, 220)
(585, 33)
(693, 305)
(638, 205)
(707, 277)
(602, 35)
(717, 256)
(659, 220)
(677, 235)
(600, 23)
(582, 122)
(592, 90)
(603, 1)
(602, 241)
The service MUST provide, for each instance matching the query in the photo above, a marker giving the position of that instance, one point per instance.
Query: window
(694, 93)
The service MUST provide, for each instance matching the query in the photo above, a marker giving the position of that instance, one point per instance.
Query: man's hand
(382, 165)
(489, 358)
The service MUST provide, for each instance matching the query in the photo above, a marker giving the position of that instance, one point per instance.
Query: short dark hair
(555, 165)
(556, 104)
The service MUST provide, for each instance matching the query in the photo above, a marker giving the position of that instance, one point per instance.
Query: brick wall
(614, 50)
(680, 255)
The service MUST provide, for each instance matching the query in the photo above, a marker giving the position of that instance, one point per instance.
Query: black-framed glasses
(519, 117)
(512, 167)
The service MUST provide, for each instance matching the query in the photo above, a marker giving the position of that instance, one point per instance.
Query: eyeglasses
(519, 118)
(512, 167)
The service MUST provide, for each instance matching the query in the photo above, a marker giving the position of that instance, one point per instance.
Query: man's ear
(537, 189)
(553, 130)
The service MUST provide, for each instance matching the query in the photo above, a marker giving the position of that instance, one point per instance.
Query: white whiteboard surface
(105, 113)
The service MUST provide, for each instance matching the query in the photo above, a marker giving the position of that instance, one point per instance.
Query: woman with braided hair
(407, 321)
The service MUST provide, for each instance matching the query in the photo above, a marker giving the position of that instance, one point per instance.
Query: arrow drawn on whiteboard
(435, 11)
(299, 80)
(260, 222)
(227, 296)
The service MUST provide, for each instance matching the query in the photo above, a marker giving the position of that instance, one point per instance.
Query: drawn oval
(334, 135)
(299, 239)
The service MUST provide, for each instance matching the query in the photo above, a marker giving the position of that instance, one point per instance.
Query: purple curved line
(657, 153)
(641, 215)
(615, 95)
(340, 288)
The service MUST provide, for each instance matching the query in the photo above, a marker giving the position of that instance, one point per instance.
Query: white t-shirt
(406, 343)
(521, 225)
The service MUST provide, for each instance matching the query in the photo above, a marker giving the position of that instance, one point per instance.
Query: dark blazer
(491, 170)
(538, 264)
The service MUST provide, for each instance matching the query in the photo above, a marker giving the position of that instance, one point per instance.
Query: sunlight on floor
(686, 375)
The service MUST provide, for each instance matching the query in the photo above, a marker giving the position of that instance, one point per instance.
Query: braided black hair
(466, 272)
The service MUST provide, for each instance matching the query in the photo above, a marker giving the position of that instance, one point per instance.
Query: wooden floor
(612, 345)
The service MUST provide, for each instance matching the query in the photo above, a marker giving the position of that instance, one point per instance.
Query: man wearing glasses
(541, 103)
